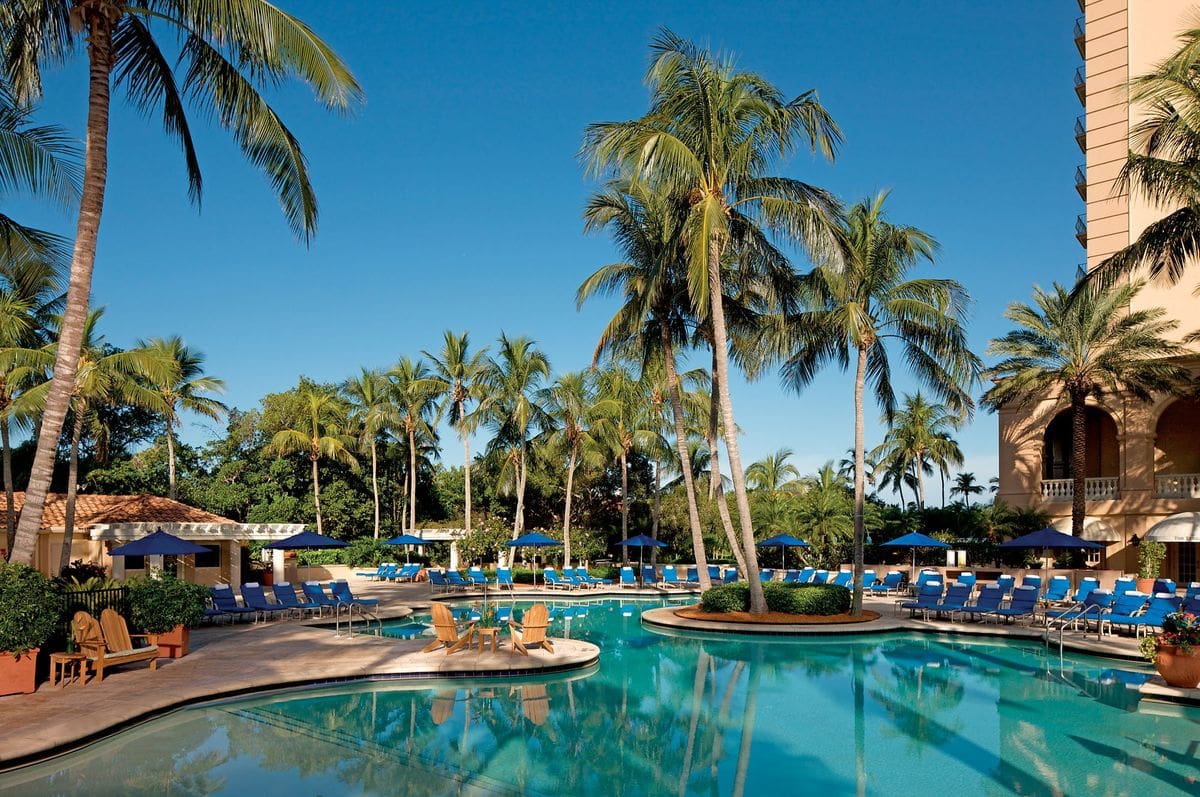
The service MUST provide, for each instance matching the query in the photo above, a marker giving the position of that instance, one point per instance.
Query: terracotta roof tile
(91, 510)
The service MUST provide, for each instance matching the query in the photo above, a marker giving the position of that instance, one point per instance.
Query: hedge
(818, 599)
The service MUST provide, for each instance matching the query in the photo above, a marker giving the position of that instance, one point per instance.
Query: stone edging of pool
(246, 661)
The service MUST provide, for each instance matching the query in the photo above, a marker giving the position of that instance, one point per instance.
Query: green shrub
(816, 599)
(30, 606)
(156, 605)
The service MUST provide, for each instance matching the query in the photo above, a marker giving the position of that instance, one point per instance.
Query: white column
(118, 568)
(154, 565)
(235, 563)
(453, 555)
(277, 565)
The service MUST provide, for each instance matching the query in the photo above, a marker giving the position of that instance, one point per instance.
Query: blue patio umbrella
(406, 539)
(641, 542)
(533, 540)
(915, 540)
(159, 543)
(782, 542)
(1051, 539)
(305, 540)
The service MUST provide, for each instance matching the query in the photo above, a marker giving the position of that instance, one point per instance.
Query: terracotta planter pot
(1146, 585)
(18, 676)
(1178, 669)
(174, 643)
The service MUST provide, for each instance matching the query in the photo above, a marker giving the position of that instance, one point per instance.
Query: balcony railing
(1094, 489)
(1081, 182)
(1080, 38)
(1081, 133)
(1081, 230)
(1177, 485)
(1081, 86)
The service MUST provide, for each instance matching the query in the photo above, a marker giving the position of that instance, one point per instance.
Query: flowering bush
(1180, 630)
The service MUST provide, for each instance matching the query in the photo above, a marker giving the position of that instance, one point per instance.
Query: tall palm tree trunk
(567, 509)
(860, 486)
(942, 476)
(919, 472)
(519, 516)
(170, 462)
(758, 603)
(10, 515)
(654, 509)
(412, 468)
(375, 483)
(64, 558)
(624, 506)
(716, 489)
(316, 493)
(79, 287)
(1078, 460)
(466, 477)
(685, 461)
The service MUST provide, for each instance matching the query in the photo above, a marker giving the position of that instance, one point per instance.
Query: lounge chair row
(392, 571)
(256, 606)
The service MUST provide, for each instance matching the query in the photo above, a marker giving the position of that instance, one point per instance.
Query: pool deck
(232, 660)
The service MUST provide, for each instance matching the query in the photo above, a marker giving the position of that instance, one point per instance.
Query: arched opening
(1177, 450)
(1102, 457)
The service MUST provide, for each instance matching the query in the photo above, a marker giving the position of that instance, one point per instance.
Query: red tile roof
(92, 510)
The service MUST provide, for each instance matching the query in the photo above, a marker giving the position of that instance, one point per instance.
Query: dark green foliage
(815, 599)
(30, 606)
(159, 604)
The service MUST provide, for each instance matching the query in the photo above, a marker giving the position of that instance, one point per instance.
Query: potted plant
(167, 607)
(1174, 651)
(30, 606)
(1151, 554)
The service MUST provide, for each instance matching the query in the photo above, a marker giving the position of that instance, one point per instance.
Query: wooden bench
(108, 643)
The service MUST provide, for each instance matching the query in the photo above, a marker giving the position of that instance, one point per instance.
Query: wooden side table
(67, 668)
(485, 634)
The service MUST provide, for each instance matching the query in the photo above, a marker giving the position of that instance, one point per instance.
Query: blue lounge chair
(254, 598)
(1151, 618)
(868, 579)
(820, 577)
(1007, 583)
(1124, 585)
(1192, 591)
(1032, 581)
(1085, 588)
(627, 578)
(650, 575)
(955, 600)
(842, 579)
(504, 578)
(1123, 610)
(693, 575)
(928, 596)
(791, 577)
(806, 575)
(437, 580)
(989, 600)
(569, 576)
(226, 603)
(714, 573)
(1164, 585)
(285, 595)
(766, 574)
(409, 573)
(923, 578)
(550, 575)
(1058, 589)
(890, 584)
(476, 576)
(390, 569)
(1090, 608)
(581, 572)
(669, 577)
(730, 577)
(1191, 606)
(967, 579)
(378, 574)
(341, 591)
(1023, 602)
(456, 580)
(315, 593)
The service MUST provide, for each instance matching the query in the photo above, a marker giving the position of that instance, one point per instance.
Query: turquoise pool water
(674, 715)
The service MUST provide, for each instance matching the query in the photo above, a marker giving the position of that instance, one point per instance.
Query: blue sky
(453, 197)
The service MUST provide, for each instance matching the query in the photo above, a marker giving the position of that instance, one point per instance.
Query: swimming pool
(672, 714)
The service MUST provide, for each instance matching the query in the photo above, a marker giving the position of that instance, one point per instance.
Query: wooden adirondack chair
(448, 631)
(108, 643)
(532, 632)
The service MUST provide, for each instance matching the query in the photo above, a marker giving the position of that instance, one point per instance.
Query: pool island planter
(18, 672)
(174, 643)
(1178, 668)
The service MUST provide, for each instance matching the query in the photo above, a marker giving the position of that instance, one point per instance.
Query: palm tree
(652, 323)
(106, 376)
(1075, 347)
(319, 433)
(414, 392)
(460, 372)
(184, 392)
(966, 486)
(230, 52)
(918, 439)
(573, 409)
(513, 381)
(1163, 165)
(711, 134)
(863, 299)
(773, 472)
(628, 427)
(373, 414)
